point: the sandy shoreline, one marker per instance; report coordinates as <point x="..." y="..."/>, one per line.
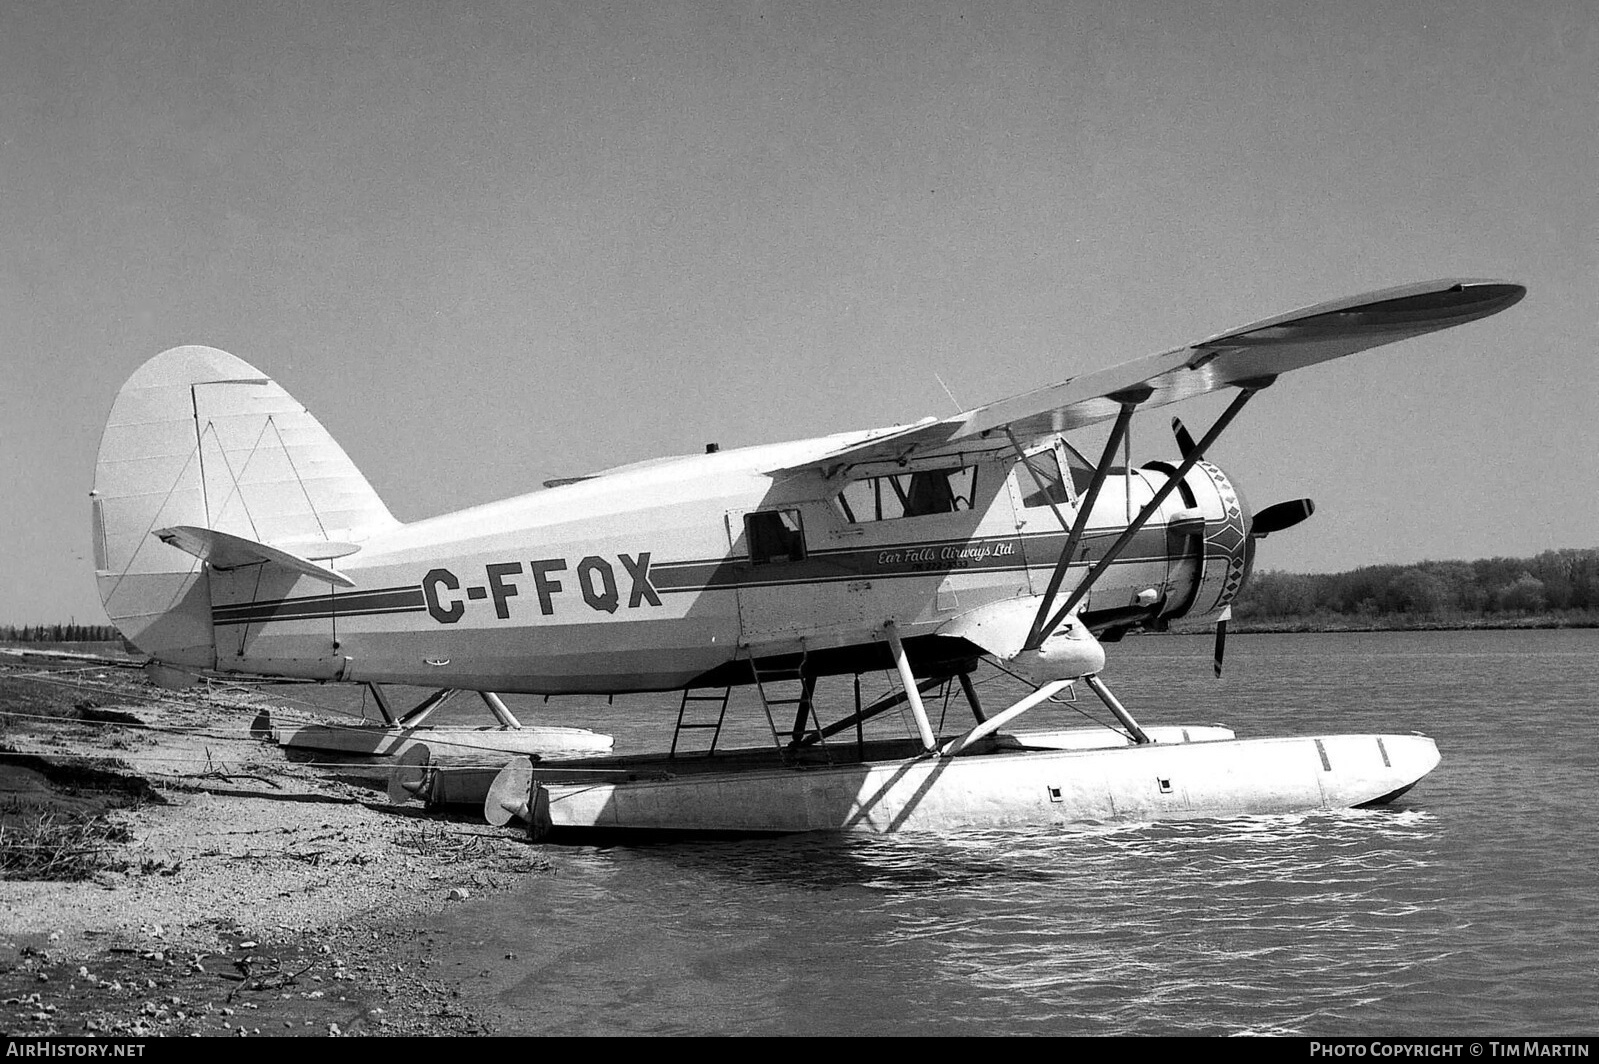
<point x="237" y="892"/>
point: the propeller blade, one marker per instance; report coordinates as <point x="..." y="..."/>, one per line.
<point x="1280" y="516"/>
<point x="1221" y="637"/>
<point x="1185" y="442"/>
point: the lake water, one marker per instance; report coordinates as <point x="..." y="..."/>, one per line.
<point x="1470" y="906"/>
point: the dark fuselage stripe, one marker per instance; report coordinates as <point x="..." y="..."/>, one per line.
<point x="938" y="558"/>
<point x="363" y="603"/>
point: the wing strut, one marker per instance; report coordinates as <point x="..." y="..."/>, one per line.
<point x="1249" y="388"/>
<point x="1129" y="401"/>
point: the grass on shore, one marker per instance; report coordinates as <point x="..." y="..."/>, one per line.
<point x="60" y="847"/>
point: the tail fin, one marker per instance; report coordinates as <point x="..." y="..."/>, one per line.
<point x="202" y="439"/>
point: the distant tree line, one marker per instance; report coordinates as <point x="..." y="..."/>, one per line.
<point x="59" y="633"/>
<point x="1555" y="581"/>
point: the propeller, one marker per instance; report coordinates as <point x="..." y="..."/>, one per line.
<point x="1281" y="515"/>
<point x="1221" y="636"/>
<point x="1274" y="518"/>
<point x="1185" y="442"/>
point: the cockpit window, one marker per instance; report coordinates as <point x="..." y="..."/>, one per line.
<point x="927" y="491"/>
<point x="1041" y="481"/>
<point x="1082" y="469"/>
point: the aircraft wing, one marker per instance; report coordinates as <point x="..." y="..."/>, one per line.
<point x="1265" y="348"/>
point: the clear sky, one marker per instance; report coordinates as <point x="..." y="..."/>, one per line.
<point x="491" y="243"/>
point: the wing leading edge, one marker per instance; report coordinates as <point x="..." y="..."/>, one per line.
<point x="1266" y="348"/>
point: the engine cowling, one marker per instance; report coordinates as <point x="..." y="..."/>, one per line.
<point x="1211" y="549"/>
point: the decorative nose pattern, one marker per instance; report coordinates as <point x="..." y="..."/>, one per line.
<point x="1225" y="541"/>
<point x="1224" y="564"/>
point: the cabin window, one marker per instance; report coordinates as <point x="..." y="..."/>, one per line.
<point x="1040" y="481"/>
<point x="858" y="501"/>
<point x="927" y="491"/>
<point x="775" y="536"/>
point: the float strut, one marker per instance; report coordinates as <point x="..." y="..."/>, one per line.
<point x="913" y="694"/>
<point x="383" y="704"/>
<point x="860" y="722"/>
<point x="971" y="696"/>
<point x="498" y="708"/>
<point x="998" y="720"/>
<point x="1096" y="685"/>
<point x="860" y="716"/>
<point x="425" y="707"/>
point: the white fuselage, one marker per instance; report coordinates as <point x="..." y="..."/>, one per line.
<point x="643" y="579"/>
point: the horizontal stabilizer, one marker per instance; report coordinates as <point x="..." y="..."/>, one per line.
<point x="317" y="549"/>
<point x="224" y="551"/>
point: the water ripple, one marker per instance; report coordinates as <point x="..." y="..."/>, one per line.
<point x="1467" y="907"/>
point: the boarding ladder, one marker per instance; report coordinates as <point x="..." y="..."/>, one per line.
<point x="806" y="725"/>
<point x="713" y="726"/>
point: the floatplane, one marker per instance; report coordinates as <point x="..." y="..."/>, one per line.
<point x="233" y="536"/>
